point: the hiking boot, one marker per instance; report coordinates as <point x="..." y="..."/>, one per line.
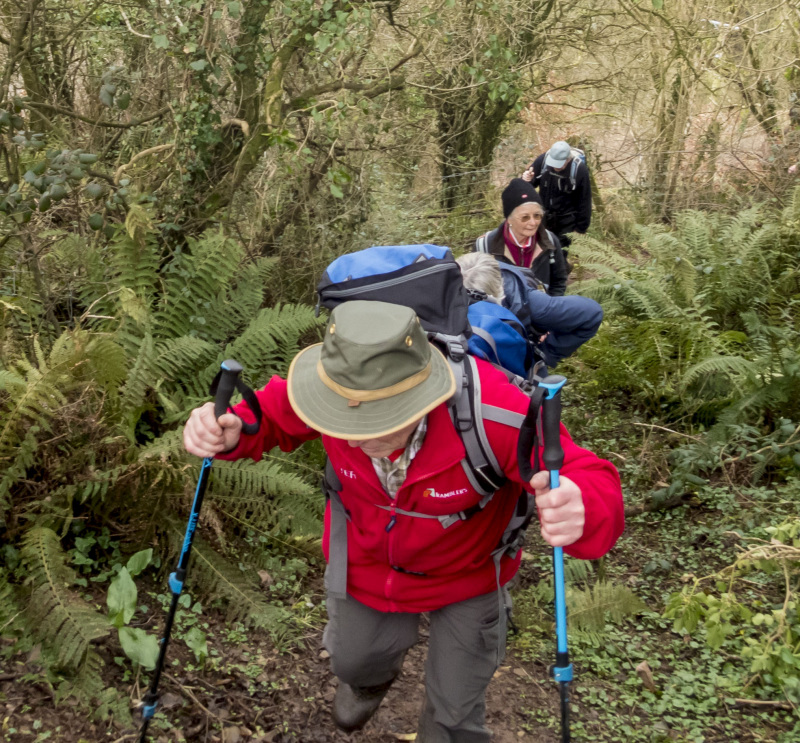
<point x="354" y="705"/>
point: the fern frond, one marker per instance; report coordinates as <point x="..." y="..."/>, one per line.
<point x="34" y="402"/>
<point x="270" y="342"/>
<point x="791" y="212"/>
<point x="140" y="377"/>
<point x="9" y="608"/>
<point x="733" y="367"/>
<point x="267" y="496"/>
<point x="134" y="265"/>
<point x="108" y="363"/>
<point x="58" y="617"/>
<point x="181" y="360"/>
<point x="17" y="470"/>
<point x="194" y="281"/>
<point x="214" y="577"/>
<point x="592" y="251"/>
<point x="164" y="448"/>
<point x="88" y="689"/>
<point x="242" y="300"/>
<point x="589" y="609"/>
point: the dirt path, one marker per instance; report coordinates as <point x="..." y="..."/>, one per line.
<point x="289" y="700"/>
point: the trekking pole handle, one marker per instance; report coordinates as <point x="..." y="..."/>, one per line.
<point x="551" y="426"/>
<point x="227" y="380"/>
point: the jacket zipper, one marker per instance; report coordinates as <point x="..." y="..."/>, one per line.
<point x="389" y="551"/>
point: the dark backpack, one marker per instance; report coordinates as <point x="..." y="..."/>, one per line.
<point x="578" y="157"/>
<point x="427" y="279"/>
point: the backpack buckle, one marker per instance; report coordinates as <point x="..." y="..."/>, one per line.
<point x="456" y="350"/>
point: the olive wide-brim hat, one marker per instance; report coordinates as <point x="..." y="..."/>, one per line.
<point x="374" y="373"/>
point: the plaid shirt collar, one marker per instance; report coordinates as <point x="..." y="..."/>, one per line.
<point x="393" y="474"/>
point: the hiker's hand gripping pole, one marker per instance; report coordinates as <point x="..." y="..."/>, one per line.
<point x="553" y="461"/>
<point x="223" y="386"/>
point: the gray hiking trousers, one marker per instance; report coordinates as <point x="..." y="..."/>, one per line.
<point x="467" y="643"/>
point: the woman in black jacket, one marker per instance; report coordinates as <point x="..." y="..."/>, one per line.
<point x="522" y="240"/>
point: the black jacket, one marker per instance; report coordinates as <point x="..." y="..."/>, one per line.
<point x="566" y="210"/>
<point x="550" y="266"/>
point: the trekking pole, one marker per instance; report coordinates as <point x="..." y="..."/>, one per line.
<point x="222" y="388"/>
<point x="553" y="461"/>
<point x="548" y="395"/>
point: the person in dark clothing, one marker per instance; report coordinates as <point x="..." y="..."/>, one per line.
<point x="562" y="178"/>
<point x="522" y="240"/>
<point x="559" y="325"/>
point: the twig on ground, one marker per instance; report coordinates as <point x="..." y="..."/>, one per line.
<point x="684" y="499"/>
<point x="763" y="703"/>
<point x="668" y="430"/>
<point x="193" y="697"/>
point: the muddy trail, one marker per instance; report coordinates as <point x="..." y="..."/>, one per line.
<point x="252" y="692"/>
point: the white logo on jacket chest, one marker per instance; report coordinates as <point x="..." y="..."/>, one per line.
<point x="348" y="474"/>
<point x="432" y="493"/>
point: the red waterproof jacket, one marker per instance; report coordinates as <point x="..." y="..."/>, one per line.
<point x="417" y="565"/>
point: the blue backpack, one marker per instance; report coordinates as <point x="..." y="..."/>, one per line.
<point x="498" y="336"/>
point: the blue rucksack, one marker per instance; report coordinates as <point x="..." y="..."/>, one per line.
<point x="499" y="337"/>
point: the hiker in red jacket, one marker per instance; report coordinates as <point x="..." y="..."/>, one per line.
<point x="406" y="532"/>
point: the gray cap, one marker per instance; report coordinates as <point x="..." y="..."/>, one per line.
<point x="557" y="155"/>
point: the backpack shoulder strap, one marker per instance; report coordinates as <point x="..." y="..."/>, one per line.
<point x="573" y="172"/>
<point x="336" y="576"/>
<point x="482" y="243"/>
<point x="480" y="464"/>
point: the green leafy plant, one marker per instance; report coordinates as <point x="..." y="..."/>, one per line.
<point x="723" y="605"/>
<point x="122" y="601"/>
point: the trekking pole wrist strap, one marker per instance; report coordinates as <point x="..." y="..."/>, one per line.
<point x="227" y="380"/>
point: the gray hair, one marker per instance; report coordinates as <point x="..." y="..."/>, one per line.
<point x="481" y="273"/>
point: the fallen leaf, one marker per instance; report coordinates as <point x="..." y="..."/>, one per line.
<point x="266" y="578"/>
<point x="646" y="675"/>
<point x="405" y="736"/>
<point x="169" y="700"/>
<point x="231" y="735"/>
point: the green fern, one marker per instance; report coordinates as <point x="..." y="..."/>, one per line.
<point x="214" y="577"/>
<point x="589" y="609"/>
<point x="9" y="607"/>
<point x="57" y="616"/>
<point x="34" y="396"/>
<point x="686" y="326"/>
<point x="271" y="340"/>
<point x="140" y="376"/>
<point x="268" y="497"/>
<point x="193" y="282"/>
<point x="87" y="687"/>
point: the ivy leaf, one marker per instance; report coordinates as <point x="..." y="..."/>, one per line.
<point x="199" y="65"/>
<point x="122" y="596"/>
<point x="234" y="9"/>
<point x="139" y="646"/>
<point x="658" y="4"/>
<point x="336" y="191"/>
<point x="140" y="561"/>
<point x="196" y="640"/>
<point x="161" y="41"/>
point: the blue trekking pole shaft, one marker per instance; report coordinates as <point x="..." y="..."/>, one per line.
<point x="553" y="460"/>
<point x="223" y="386"/>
